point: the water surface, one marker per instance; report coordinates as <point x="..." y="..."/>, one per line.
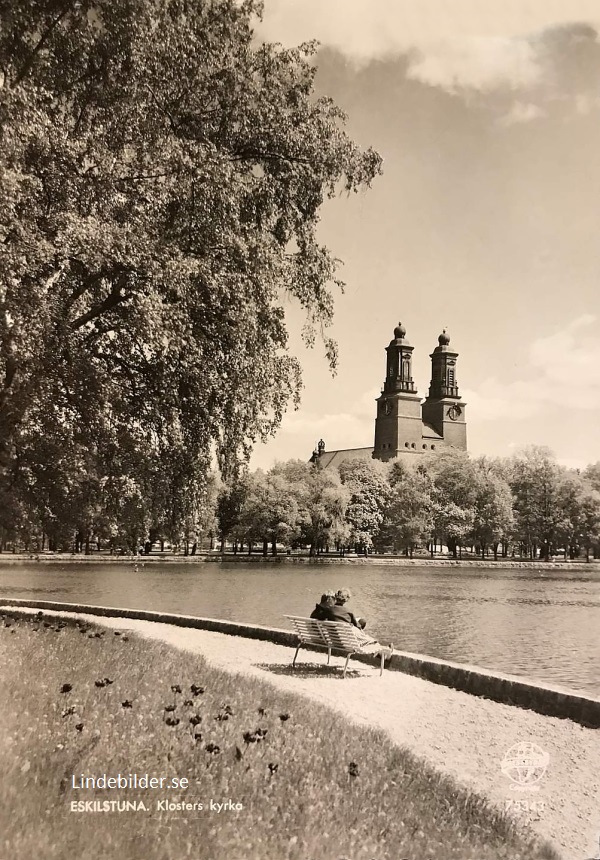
<point x="540" y="625"/>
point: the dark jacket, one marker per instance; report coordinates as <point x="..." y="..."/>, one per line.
<point x="319" y="613"/>
<point x="335" y="612"/>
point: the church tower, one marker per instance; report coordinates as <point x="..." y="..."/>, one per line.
<point x="443" y="409"/>
<point x="398" y="425"/>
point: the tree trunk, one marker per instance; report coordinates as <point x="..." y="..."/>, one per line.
<point x="265" y="546"/>
<point x="495" y="548"/>
<point x="274" y="546"/>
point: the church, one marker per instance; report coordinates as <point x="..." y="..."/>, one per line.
<point x="404" y="426"/>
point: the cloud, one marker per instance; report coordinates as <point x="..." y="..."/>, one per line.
<point x="564" y="371"/>
<point x="521" y="112"/>
<point x="522" y="60"/>
<point x="352" y="428"/>
<point x="300" y="431"/>
<point x="477" y="63"/>
<point x="372" y="29"/>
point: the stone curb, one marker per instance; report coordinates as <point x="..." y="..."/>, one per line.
<point x="281" y="559"/>
<point x="505" y="689"/>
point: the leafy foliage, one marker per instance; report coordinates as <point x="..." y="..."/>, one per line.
<point x="527" y="502"/>
<point x="367" y="481"/>
<point x="161" y="184"/>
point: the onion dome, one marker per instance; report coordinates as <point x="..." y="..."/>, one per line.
<point x="444" y="339"/>
<point x="399" y="332"/>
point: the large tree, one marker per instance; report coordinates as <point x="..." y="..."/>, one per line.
<point x="162" y="175"/>
<point x="539" y="515"/>
<point x="322" y="503"/>
<point x="453" y="496"/>
<point x="366" y="480"/>
<point x="494" y="519"/>
<point x="409" y="509"/>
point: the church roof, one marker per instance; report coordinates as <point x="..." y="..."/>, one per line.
<point x="334" y="458"/>
<point x="429" y="432"/>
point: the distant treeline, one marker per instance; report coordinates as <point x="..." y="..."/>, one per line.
<point x="526" y="505"/>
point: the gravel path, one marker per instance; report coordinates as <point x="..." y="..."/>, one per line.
<point x="463" y="735"/>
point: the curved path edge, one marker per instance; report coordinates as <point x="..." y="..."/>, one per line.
<point x="552" y="701"/>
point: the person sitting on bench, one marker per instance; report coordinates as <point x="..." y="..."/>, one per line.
<point x="340" y="612"/>
<point x="321" y="610"/>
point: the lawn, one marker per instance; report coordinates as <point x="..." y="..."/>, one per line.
<point x="286" y="779"/>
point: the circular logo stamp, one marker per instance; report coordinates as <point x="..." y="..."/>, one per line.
<point x="525" y="764"/>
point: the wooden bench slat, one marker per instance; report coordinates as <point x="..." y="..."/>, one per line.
<point x="330" y="634"/>
<point x="333" y="635"/>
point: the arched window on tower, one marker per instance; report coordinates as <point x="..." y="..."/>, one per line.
<point x="406" y="370"/>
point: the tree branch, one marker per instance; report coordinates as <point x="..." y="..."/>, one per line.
<point x="257" y="155"/>
<point x="114" y="298"/>
<point x="10" y="372"/>
<point x="30" y="60"/>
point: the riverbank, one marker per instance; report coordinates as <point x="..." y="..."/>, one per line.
<point x="281" y="559"/>
<point x="466" y="737"/>
<point x="260" y="773"/>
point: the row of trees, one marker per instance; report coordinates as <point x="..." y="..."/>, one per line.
<point x="527" y="505"/>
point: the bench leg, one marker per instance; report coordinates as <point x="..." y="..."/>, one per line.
<point x="346" y="665"/>
<point x="295" y="655"/>
<point x="328" y="655"/>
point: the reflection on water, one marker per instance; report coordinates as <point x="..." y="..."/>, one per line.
<point x="543" y="626"/>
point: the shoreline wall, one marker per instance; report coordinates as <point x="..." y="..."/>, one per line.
<point x="505" y="689"/>
<point x="216" y="558"/>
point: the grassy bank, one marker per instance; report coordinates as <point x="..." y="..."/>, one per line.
<point x="82" y="700"/>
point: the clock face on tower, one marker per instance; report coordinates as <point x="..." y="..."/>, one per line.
<point x="454" y="412"/>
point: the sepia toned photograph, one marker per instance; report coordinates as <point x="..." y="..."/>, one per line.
<point x="299" y="447"/>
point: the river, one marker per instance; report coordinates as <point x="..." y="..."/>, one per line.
<point x="542" y="625"/>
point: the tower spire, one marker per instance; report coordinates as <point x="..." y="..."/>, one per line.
<point x="443" y="369"/>
<point x="398" y="421"/>
<point x="398" y="375"/>
<point x="443" y="409"/>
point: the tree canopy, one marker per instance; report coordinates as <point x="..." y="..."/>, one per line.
<point x="162" y="175"/>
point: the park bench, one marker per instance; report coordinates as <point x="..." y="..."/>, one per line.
<point x="335" y="636"/>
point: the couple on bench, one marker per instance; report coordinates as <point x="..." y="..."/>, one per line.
<point x="334" y="627"/>
<point x="332" y="607"/>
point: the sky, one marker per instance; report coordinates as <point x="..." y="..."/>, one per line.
<point x="485" y="221"/>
